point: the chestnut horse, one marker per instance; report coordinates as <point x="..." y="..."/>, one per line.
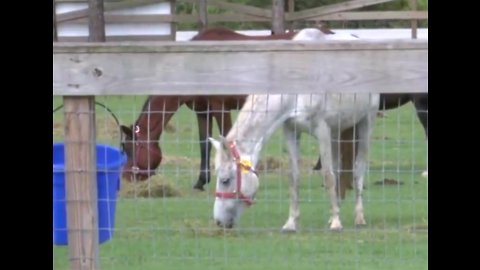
<point x="141" y="139"/>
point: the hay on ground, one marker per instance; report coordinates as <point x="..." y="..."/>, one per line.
<point x="155" y="187"/>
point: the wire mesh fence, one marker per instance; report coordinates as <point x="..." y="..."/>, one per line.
<point x="165" y="223"/>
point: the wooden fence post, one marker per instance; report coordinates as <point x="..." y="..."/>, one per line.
<point x="278" y="16"/>
<point x="80" y="153"/>
<point x="202" y="15"/>
<point x="291" y="9"/>
<point x="55" y="36"/>
<point x="414" y="23"/>
<point x="173" y="24"/>
<point x="81" y="188"/>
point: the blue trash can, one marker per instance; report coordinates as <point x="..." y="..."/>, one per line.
<point x="109" y="164"/>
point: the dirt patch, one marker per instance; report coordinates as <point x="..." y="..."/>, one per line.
<point x="382" y="138"/>
<point x="415" y="228"/>
<point x="388" y="182"/>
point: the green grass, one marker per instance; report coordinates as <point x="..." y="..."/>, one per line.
<point x="178" y="232"/>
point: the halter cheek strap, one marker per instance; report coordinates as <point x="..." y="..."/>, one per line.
<point x="244" y="166"/>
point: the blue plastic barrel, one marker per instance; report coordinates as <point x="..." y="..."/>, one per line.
<point x="109" y="163"/>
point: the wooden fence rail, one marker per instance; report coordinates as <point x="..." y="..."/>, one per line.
<point x="241" y="67"/>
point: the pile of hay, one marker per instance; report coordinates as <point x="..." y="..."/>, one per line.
<point x="269" y="164"/>
<point x="155" y="187"/>
<point x="272" y="164"/>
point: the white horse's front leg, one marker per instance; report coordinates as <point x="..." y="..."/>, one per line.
<point x="292" y="138"/>
<point x="324" y="136"/>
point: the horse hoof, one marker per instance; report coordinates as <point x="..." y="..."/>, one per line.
<point x="360" y="226"/>
<point x="199" y="187"/>
<point x="288" y="231"/>
<point x="338" y="229"/>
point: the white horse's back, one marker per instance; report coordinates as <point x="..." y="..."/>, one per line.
<point x="339" y="110"/>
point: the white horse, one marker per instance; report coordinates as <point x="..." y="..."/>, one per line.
<point x="323" y="116"/>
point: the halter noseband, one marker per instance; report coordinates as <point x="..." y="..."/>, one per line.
<point x="242" y="165"/>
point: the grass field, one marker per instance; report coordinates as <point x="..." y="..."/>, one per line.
<point x="178" y="232"/>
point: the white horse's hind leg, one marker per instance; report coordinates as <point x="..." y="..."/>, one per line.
<point x="425" y="173"/>
<point x="323" y="133"/>
<point x="364" y="129"/>
<point x="292" y="139"/>
<point x="336" y="163"/>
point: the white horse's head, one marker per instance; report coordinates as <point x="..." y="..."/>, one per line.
<point x="237" y="183"/>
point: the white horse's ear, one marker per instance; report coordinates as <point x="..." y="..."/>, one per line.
<point x="220" y="147"/>
<point x="215" y="143"/>
<point x="225" y="144"/>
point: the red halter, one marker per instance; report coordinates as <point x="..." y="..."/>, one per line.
<point x="237" y="193"/>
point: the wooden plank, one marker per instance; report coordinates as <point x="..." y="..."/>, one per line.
<point x="96" y="25"/>
<point x="213" y="47"/>
<point x="81" y="159"/>
<point x="173" y="26"/>
<point x="351" y="16"/>
<point x="329" y="9"/>
<point x="167" y="18"/>
<point x="80" y="164"/>
<point x="278" y="16"/>
<point x="84" y="1"/>
<point x="202" y="21"/>
<point x="120" y="38"/>
<point x="203" y="67"/>
<point x="83" y="13"/>
<point x="255" y="11"/>
<point x="291" y="9"/>
<point x="414" y="23"/>
<point x="373" y="15"/>
<point x="55" y="36"/>
<point x="212" y="18"/>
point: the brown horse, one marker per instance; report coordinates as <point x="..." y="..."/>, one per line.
<point x="141" y="139"/>
<point x="387" y="102"/>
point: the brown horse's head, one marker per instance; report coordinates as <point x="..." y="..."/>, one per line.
<point x="144" y="155"/>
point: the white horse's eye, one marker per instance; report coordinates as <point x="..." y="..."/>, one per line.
<point x="225" y="180"/>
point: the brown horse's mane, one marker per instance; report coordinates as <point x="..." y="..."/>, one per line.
<point x="144" y="109"/>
